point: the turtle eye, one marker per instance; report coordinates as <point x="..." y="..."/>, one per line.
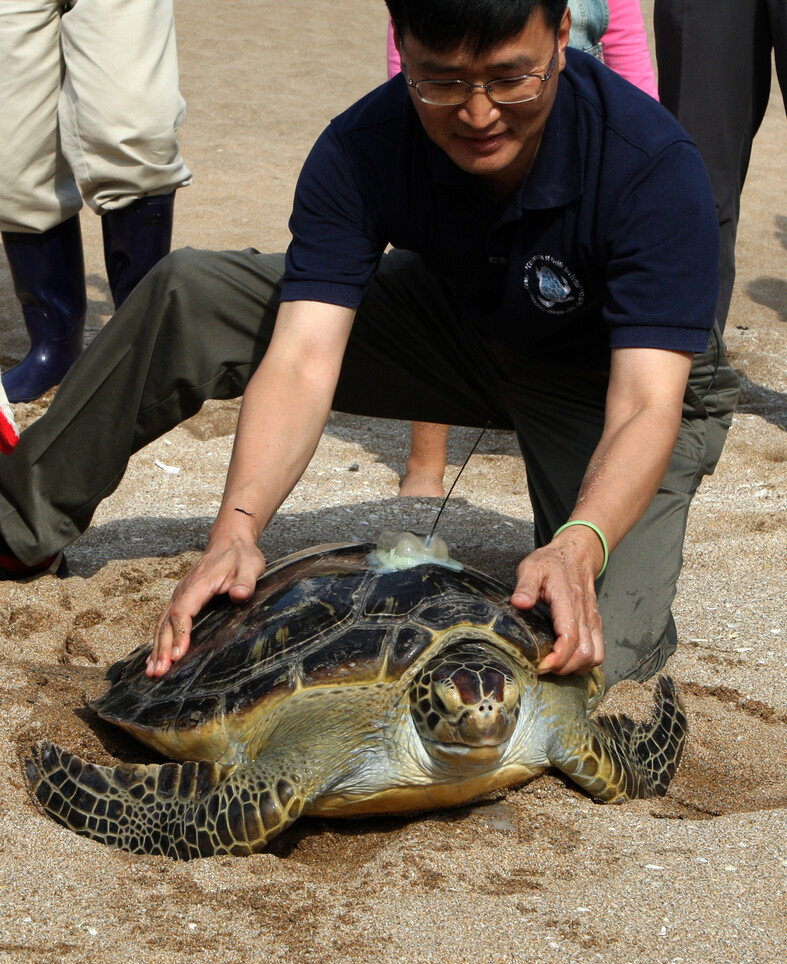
<point x="449" y="700"/>
<point x="438" y="704"/>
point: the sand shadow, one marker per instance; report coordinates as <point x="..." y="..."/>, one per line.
<point x="781" y="229"/>
<point x="770" y="293"/>
<point x="498" y="545"/>
<point x="100" y="305"/>
<point x="766" y="402"/>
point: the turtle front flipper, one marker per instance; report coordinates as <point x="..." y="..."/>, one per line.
<point x="179" y="810"/>
<point x="619" y="759"/>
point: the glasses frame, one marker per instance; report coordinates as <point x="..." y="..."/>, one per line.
<point x="488" y="87"/>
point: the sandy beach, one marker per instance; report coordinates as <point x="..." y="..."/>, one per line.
<point x="541" y="873"/>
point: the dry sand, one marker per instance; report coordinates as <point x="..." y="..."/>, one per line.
<point x="538" y="874"/>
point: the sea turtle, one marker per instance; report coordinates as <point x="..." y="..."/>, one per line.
<point x="358" y="679"/>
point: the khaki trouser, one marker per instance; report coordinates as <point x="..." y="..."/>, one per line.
<point x="196" y="328"/>
<point x="90" y="107"/>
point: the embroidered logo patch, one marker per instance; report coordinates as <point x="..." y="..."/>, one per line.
<point x="551" y="286"/>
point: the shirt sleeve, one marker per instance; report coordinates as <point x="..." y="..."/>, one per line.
<point x="663" y="267"/>
<point x="335" y="248"/>
<point x="626" y="48"/>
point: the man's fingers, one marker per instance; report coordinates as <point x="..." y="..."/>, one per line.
<point x="234" y="572"/>
<point x="172" y="639"/>
<point x="564" y="660"/>
<point x="173" y="633"/>
<point x="243" y="585"/>
<point x="579" y="645"/>
<point x="529" y="585"/>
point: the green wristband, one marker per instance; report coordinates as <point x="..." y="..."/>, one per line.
<point x="599" y="533"/>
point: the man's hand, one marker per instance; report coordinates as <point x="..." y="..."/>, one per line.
<point x="234" y="570"/>
<point x="562" y="575"/>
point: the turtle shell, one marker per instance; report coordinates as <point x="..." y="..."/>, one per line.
<point x="325" y="617"/>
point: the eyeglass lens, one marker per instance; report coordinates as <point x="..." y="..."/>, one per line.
<point x="505" y="91"/>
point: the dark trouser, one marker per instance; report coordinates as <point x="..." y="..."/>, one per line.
<point x="197" y="327"/>
<point x="714" y="60"/>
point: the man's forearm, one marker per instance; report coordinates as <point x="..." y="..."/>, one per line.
<point x="626" y="471"/>
<point x="278" y="431"/>
<point x="633" y="454"/>
<point x="283" y="413"/>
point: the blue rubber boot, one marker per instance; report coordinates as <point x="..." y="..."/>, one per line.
<point x="48" y="271"/>
<point x="136" y="237"/>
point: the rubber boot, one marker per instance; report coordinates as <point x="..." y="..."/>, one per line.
<point x="48" y="271"/>
<point x="136" y="237"/>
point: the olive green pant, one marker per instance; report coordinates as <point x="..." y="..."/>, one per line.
<point x="197" y="327"/>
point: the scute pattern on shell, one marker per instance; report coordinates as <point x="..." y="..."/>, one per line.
<point x="295" y="632"/>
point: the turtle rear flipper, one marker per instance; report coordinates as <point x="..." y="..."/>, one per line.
<point x="620" y="759"/>
<point x="179" y="810"/>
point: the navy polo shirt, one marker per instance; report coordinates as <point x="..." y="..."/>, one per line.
<point x="611" y="241"/>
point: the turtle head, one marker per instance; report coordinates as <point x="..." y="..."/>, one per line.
<point x="465" y="703"/>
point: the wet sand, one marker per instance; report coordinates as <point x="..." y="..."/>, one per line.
<point x="540" y="873"/>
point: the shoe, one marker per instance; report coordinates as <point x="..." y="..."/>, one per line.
<point x="9" y="433"/>
<point x="48" y="272"/>
<point x="13" y="568"/>
<point x="136" y="238"/>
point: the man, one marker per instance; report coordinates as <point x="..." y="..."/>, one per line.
<point x="555" y="272"/>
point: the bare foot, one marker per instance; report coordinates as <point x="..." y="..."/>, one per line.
<point x="422" y="482"/>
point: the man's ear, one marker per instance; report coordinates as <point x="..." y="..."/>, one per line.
<point x="562" y="37"/>
<point x="397" y="38"/>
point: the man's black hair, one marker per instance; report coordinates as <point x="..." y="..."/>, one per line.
<point x="477" y="24"/>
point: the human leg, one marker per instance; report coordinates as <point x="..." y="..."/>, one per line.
<point x="121" y="108"/>
<point x="777" y="21"/>
<point x="195" y="329"/>
<point x="122" y="142"/>
<point x="636" y="592"/>
<point x="714" y="65"/>
<point x="136" y="237"/>
<point x="426" y="461"/>
<point x="37" y="189"/>
<point x="39" y="199"/>
<point x="589" y="22"/>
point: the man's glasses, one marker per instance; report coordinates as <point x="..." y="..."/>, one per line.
<point x="506" y="90"/>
